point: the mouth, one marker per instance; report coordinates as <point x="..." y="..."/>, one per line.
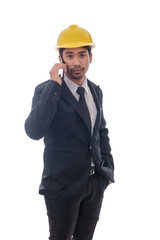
<point x="77" y="70"/>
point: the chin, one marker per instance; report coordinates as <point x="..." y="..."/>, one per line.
<point x="77" y="76"/>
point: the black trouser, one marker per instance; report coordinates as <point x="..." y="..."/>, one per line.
<point x="77" y="218"/>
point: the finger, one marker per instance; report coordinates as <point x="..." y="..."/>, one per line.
<point x="58" y="66"/>
<point x="64" y="66"/>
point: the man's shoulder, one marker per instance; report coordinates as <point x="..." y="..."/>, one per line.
<point x="42" y="84"/>
<point x="92" y="84"/>
<point x="95" y="86"/>
<point x="45" y="85"/>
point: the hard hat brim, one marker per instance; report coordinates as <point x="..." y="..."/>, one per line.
<point x="75" y="45"/>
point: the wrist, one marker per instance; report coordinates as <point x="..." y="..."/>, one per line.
<point x="59" y="81"/>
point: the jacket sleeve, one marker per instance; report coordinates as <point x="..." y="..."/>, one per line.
<point x="44" y="107"/>
<point x="108" y="163"/>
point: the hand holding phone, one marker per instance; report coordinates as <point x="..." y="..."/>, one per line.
<point x="54" y="72"/>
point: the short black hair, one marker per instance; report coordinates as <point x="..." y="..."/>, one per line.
<point x="87" y="47"/>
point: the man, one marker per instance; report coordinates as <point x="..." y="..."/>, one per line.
<point x="78" y="165"/>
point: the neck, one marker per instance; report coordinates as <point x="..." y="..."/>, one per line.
<point x="78" y="81"/>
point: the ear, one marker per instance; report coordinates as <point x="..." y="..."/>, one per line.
<point x="90" y="58"/>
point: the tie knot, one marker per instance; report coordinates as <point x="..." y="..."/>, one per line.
<point x="80" y="91"/>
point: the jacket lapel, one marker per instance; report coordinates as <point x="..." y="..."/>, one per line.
<point x="98" y="105"/>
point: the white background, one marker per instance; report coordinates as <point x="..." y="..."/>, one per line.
<point x="126" y="65"/>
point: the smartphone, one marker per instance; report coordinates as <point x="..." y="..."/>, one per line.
<point x="61" y="72"/>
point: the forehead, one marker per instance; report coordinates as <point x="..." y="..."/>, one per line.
<point x="75" y="50"/>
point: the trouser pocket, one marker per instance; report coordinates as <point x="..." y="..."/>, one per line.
<point x="104" y="182"/>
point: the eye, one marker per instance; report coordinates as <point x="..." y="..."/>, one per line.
<point x="70" y="56"/>
<point x="82" y="55"/>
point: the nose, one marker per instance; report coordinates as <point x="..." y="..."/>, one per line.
<point x="76" y="61"/>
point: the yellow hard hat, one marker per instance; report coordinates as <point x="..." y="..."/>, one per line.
<point x="73" y="37"/>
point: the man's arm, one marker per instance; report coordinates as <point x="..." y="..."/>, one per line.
<point x="44" y="104"/>
<point x="44" y="107"/>
<point x="107" y="158"/>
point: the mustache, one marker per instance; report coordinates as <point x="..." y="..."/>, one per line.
<point x="77" y="68"/>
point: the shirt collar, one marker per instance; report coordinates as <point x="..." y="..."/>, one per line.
<point x="73" y="86"/>
<point x="85" y="86"/>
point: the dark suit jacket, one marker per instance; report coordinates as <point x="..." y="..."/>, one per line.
<point x="56" y="115"/>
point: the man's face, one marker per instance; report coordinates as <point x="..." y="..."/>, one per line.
<point x="77" y="60"/>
